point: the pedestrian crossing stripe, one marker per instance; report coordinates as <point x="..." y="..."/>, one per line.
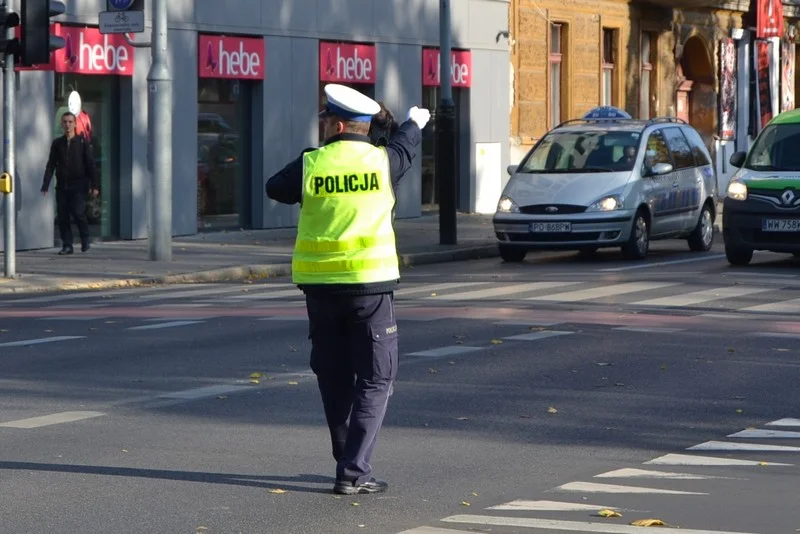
<point x="550" y="506"/>
<point x="708" y="461"/>
<point x="754" y="433"/>
<point x="591" y="487"/>
<point x="785" y="422"/>
<point x="572" y="526"/>
<point x="643" y="473"/>
<point x="723" y="446"/>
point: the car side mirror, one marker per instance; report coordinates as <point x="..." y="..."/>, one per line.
<point x="511" y="169"/>
<point x="660" y="168"/>
<point x="737" y="159"/>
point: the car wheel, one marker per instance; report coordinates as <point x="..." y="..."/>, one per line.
<point x="639" y="242"/>
<point x="512" y="254"/>
<point x="738" y="255"/>
<point x="702" y="237"/>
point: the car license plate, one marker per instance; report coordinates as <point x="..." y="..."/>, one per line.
<point x="551" y="227"/>
<point x="780" y="225"/>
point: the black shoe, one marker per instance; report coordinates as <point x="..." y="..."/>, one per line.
<point x="85" y="247"/>
<point x="346" y="487"/>
<point x="65" y="251"/>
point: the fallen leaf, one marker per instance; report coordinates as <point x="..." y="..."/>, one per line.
<point x="619" y="384"/>
<point x="49" y="331"/>
<point x="663" y="368"/>
<point x="198" y="530"/>
<point x="609" y="513"/>
<point x="292" y="383"/>
<point x="739" y="410"/>
<point x="255" y="381"/>
<point x="602" y="364"/>
<point x="222" y="397"/>
<point x="432" y="371"/>
<point x="497" y="342"/>
<point x="782" y="350"/>
<point x="277" y="491"/>
<point x="355" y="504"/>
<point x="552" y="410"/>
<point x="762" y="463"/>
<point x="433" y="294"/>
<point x="731" y="350"/>
<point x="255" y="375"/>
<point x="474" y="494"/>
<point x="648" y="523"/>
<point x="465" y="503"/>
<point x="452" y="363"/>
<point x="459" y="342"/>
<point x="124" y="450"/>
<point x="462" y="418"/>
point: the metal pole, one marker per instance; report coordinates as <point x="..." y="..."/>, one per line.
<point x="159" y="82"/>
<point x="9" y="220"/>
<point x="445" y="135"/>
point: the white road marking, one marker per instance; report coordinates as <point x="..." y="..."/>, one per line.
<point x="445" y="351"/>
<point x="435" y="530"/>
<point x="708" y="461"/>
<point x="201" y="393"/>
<point x="189" y="319"/>
<point x="591" y="487"/>
<point x="785" y="422"/>
<point x="700" y="297"/>
<point x="535" y="336"/>
<point x="500" y="290"/>
<point x="39" y="341"/>
<point x="302" y="318"/>
<point x="75" y="306"/>
<point x="189" y="293"/>
<point x="572" y="526"/>
<point x="52" y="419"/>
<point x="755" y="433"/>
<point x="784" y="306"/>
<point x="527" y="323"/>
<point x="723" y="446"/>
<point x="642" y="473"/>
<point x="91" y="294"/>
<point x="662" y="263"/>
<point x="752" y="274"/>
<point x="650" y="329"/>
<point x="267" y="295"/>
<point x="435" y="288"/>
<point x="159" y="326"/>
<point x="179" y="305"/>
<point x="604" y="291"/>
<point x="549" y="506"/>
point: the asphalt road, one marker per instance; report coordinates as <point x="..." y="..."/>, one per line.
<point x="530" y="397"/>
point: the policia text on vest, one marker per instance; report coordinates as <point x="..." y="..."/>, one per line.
<point x="345" y="261"/>
<point x="334" y="185"/>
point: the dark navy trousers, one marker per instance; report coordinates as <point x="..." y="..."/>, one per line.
<point x="354" y="355"/>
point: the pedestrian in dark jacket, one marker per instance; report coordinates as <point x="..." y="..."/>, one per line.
<point x="72" y="161"/>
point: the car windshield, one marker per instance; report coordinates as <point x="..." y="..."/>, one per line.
<point x="583" y="151"/>
<point x="776" y="149"/>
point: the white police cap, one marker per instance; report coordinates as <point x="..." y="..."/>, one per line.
<point x="349" y="104"/>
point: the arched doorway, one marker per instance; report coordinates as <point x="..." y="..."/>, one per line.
<point x="696" y="99"/>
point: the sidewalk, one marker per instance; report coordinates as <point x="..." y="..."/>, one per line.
<point x="232" y="255"/>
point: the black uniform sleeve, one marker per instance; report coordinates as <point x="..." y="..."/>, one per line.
<point x="286" y="186"/>
<point x="402" y="149"/>
<point x="50" y="168"/>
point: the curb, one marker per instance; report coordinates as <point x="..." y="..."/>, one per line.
<point x="244" y="272"/>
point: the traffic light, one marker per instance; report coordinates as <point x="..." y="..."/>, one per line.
<point x="7" y="20"/>
<point x="37" y="42"/>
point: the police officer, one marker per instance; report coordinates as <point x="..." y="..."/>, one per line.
<point x="345" y="261"/>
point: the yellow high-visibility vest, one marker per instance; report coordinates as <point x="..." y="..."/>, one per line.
<point x="345" y="233"/>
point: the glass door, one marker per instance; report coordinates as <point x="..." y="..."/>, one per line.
<point x="98" y="122"/>
<point x="224" y="125"/>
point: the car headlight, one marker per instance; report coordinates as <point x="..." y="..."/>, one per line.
<point x="506" y="205"/>
<point x="737" y="191"/>
<point x="611" y="203"/>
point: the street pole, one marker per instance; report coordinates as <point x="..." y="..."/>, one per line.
<point x="159" y="82"/>
<point x="445" y="135"/>
<point x="9" y="220"/>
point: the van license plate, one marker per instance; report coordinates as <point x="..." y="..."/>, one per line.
<point x="780" y="225"/>
<point x="551" y="227"/>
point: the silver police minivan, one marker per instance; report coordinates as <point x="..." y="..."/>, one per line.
<point x="607" y="180"/>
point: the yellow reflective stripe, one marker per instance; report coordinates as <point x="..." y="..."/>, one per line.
<point x="342" y="266"/>
<point x="345" y="245"/>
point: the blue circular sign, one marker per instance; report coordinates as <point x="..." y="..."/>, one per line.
<point x="121" y="4"/>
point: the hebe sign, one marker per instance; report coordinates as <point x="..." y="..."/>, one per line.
<point x="87" y="51"/>
<point x="233" y="58"/>
<point x="460" y="68"/>
<point x="346" y="63"/>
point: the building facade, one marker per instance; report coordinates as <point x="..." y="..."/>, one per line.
<point x="247" y="82"/>
<point x="698" y="60"/>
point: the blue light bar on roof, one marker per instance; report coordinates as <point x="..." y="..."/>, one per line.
<point x="606" y="113"/>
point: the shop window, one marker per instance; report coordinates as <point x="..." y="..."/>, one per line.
<point x="98" y="123"/>
<point x="647" y="87"/>
<point x="609" y="97"/>
<point x="223" y="170"/>
<point x="557" y="73"/>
